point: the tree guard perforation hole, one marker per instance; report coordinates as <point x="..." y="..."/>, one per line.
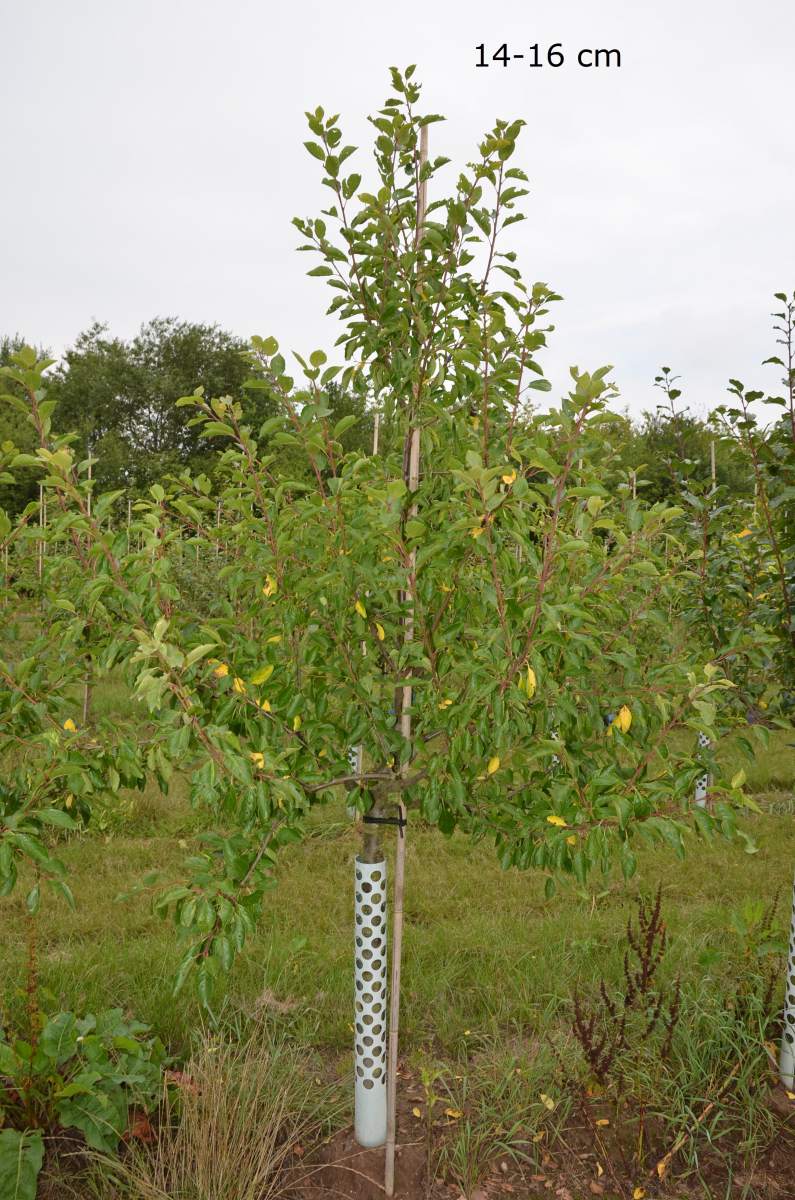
<point x="366" y="955"/>
<point x="367" y="1083"/>
<point x="367" y="887"/>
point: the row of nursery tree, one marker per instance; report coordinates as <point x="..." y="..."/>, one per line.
<point x="118" y="397"/>
<point x="464" y="603"/>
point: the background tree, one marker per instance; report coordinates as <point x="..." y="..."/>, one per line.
<point x="20" y="489"/>
<point x="119" y="397"/>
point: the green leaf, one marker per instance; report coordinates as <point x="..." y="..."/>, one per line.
<point x="21" y="1156"/>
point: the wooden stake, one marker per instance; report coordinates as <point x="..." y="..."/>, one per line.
<point x="412" y="479"/>
<point x="712" y="465"/>
<point x="42" y="521"/>
<point x="376" y="423"/>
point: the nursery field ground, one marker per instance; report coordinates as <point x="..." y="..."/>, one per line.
<point x="490" y="965"/>
<point x="485" y="952"/>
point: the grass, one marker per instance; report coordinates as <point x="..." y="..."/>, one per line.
<point x="485" y="952"/>
<point x="490" y="965"/>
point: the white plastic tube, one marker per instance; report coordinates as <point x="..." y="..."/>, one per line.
<point x="786" y="1060"/>
<point x="702" y="783"/>
<point x="370" y="1001"/>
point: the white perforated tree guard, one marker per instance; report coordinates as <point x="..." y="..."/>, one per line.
<point x="702" y="783"/>
<point x="786" y="1061"/>
<point x="370" y="1001"/>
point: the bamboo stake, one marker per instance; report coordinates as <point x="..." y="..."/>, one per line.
<point x="42" y="523"/>
<point x="712" y="465"/>
<point x="412" y="482"/>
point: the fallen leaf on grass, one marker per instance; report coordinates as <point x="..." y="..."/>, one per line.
<point x="140" y="1129"/>
<point x="416" y="1112"/>
<point x="453" y="1113"/>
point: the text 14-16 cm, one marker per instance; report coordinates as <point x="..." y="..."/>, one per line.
<point x="547" y="56"/>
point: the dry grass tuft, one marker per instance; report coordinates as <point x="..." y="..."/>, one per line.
<point x="244" y="1113"/>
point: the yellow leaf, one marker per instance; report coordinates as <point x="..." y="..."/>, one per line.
<point x="530" y="683"/>
<point x="272" y="641"/>
<point x="599" y="1170"/>
<point x="638" y="1193"/>
<point x="416" y="1112"/>
<point x="623" y="720"/>
<point x="265" y="705"/>
<point x="361" y="610"/>
<point x="446" y="587"/>
<point x="387" y="558"/>
<point x="602" y="1122"/>
<point x="509" y="478"/>
<point x="270" y="587"/>
<point x="379" y="631"/>
<point x="69" y="725"/>
<point x="571" y="841"/>
<point x="69" y="800"/>
<point x="547" y="1101"/>
<point x="745" y="533"/>
<point x="554" y="819"/>
<point x="494" y="765"/>
<point x="791" y="1095"/>
<point x="476" y="532"/>
<point x="453" y="1113"/>
<point x="662" y="1167"/>
<point x="221" y="670"/>
<point x="445" y="703"/>
<point x="538" y="1137"/>
<point x="258" y="758"/>
<point x="296" y="723"/>
<point x="262" y="675"/>
<point x="239" y="686"/>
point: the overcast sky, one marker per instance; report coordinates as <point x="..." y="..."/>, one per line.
<point x="153" y="161"/>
